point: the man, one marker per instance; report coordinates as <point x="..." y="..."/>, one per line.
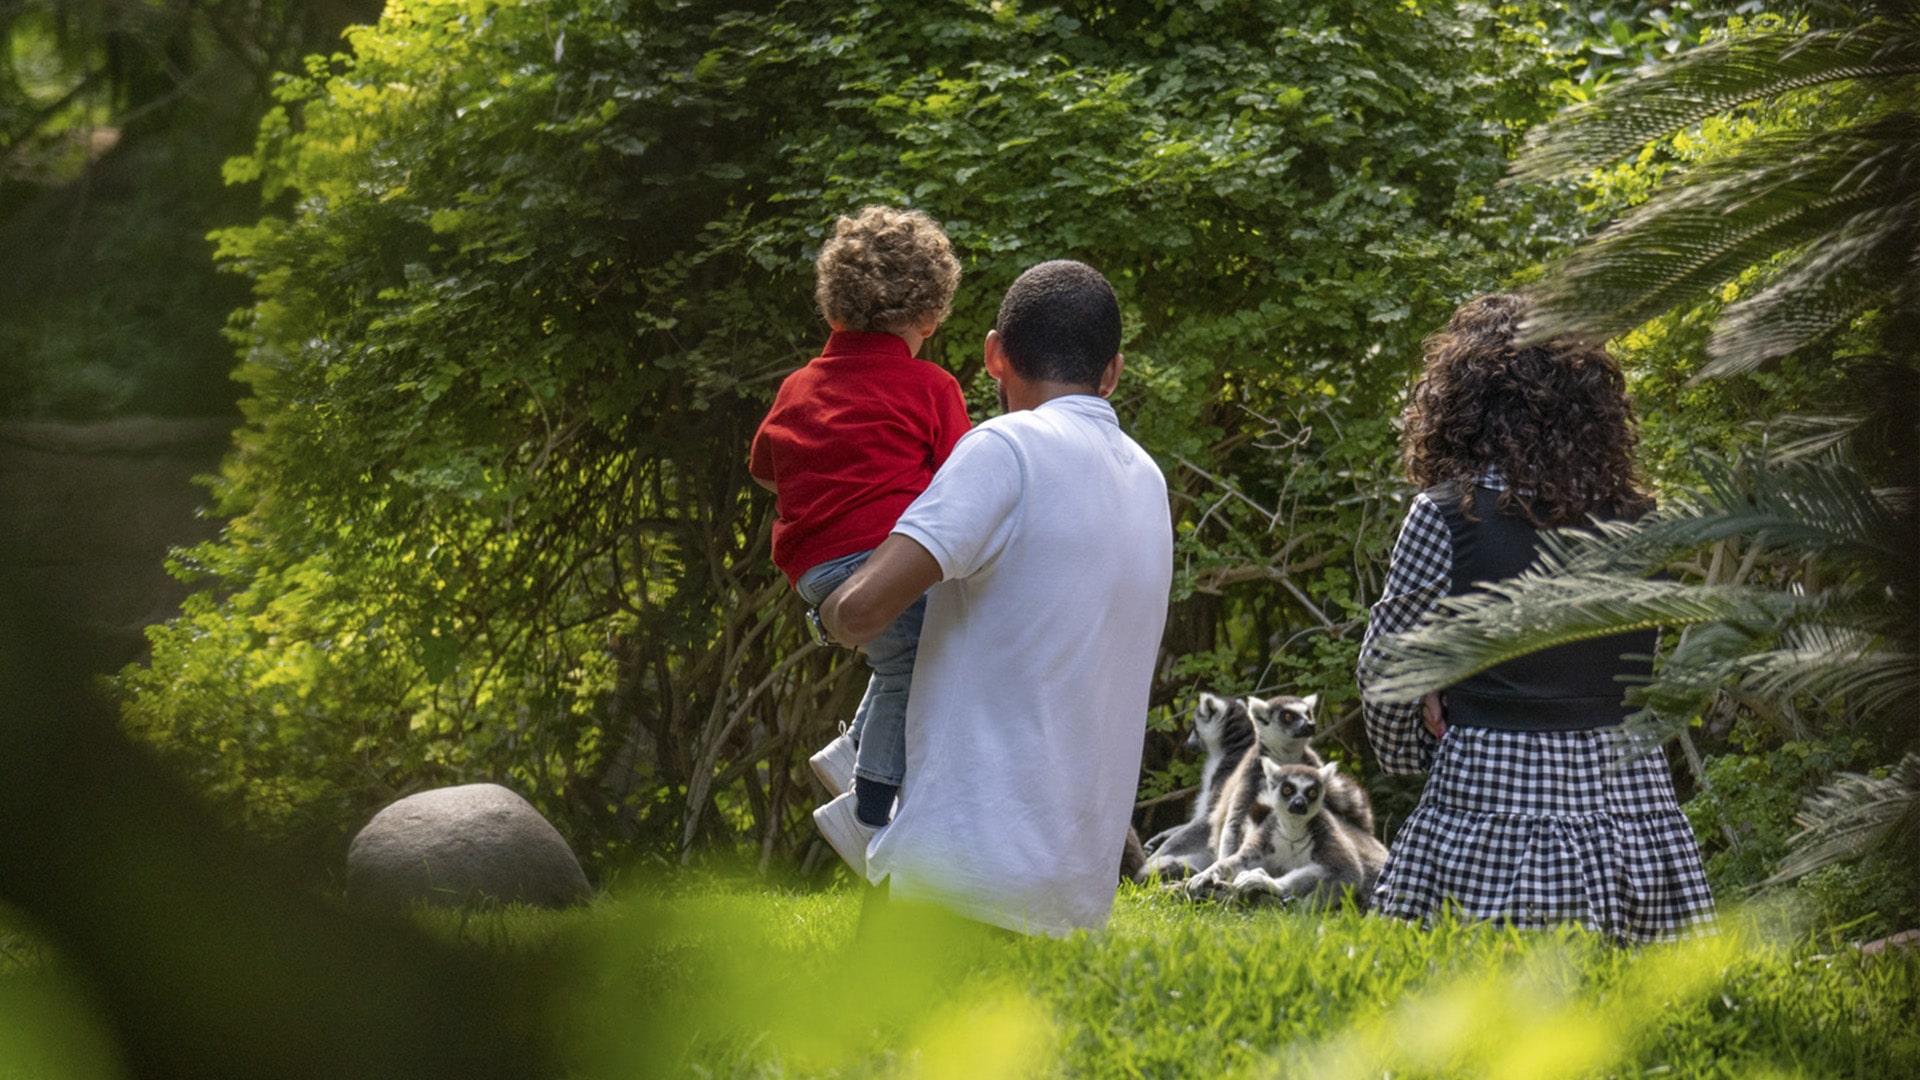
<point x="1046" y="551"/>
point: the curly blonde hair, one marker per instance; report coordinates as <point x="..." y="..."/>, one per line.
<point x="1553" y="418"/>
<point x="885" y="270"/>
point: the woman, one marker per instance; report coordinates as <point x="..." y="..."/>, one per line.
<point x="1538" y="809"/>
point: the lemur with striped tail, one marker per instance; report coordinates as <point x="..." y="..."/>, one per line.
<point x="1223" y="732"/>
<point x="1294" y="848"/>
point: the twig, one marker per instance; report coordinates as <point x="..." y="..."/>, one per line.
<point x="1171" y="796"/>
<point x="1699" y="767"/>
<point x="1273" y="519"/>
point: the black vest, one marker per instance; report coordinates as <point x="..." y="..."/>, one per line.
<point x="1564" y="688"/>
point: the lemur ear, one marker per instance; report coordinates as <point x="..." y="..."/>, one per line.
<point x="1270" y="767"/>
<point x="1327" y="771"/>
<point x="1256" y="708"/>
<point x="1209" y="702"/>
<point x="1311" y="701"/>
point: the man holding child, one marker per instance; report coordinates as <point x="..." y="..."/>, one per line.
<point x="1043" y="547"/>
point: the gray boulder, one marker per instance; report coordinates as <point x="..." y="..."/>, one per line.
<point x="456" y="845"/>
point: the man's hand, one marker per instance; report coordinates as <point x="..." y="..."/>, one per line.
<point x="895" y="575"/>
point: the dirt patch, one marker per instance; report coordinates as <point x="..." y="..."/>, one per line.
<point x="89" y="512"/>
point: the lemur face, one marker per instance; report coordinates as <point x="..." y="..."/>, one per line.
<point x="1299" y="797"/>
<point x="1297" y="789"/>
<point x="1283" y="718"/>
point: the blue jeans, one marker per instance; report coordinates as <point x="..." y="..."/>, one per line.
<point x="879" y="728"/>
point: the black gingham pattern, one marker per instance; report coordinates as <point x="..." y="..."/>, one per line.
<point x="1536" y="828"/>
<point x="1419" y="575"/>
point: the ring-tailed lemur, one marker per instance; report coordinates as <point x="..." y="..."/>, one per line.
<point x="1294" y="849"/>
<point x="1222" y="731"/>
<point x="1281" y="727"/>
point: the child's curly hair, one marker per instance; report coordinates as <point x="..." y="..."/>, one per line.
<point x="1553" y="418"/>
<point x="884" y="270"/>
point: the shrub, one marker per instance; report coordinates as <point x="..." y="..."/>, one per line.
<point x="531" y="275"/>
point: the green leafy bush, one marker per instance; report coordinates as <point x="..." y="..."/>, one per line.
<point x="1743" y="812"/>
<point x="532" y="275"/>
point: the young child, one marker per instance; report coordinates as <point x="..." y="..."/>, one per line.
<point x="851" y="439"/>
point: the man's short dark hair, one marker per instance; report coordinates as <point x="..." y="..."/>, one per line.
<point x="1060" y="322"/>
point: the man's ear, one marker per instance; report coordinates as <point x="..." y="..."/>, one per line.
<point x="996" y="356"/>
<point x="1110" y="377"/>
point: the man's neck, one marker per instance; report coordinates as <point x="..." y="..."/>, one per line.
<point x="1032" y="395"/>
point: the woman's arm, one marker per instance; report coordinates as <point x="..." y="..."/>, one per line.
<point x="1419" y="575"/>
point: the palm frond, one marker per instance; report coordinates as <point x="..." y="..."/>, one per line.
<point x="1549" y="606"/>
<point x="1804" y="506"/>
<point x="1839" y="275"/>
<point x="1777" y="193"/>
<point x="1867" y="671"/>
<point x="1772" y="643"/>
<point x="1814" y="506"/>
<point x="1713" y="79"/>
<point x="1691" y="678"/>
<point x="1821" y="666"/>
<point x="1822" y="292"/>
<point x="1853" y="815"/>
<point x="1804" y="436"/>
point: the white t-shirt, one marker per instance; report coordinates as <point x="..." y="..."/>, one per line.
<point x="1029" y="701"/>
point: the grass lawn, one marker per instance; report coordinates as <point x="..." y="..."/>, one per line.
<point x="741" y="982"/>
<point x="712" y="978"/>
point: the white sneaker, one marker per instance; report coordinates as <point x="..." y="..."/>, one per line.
<point x="841" y="825"/>
<point x="834" y="765"/>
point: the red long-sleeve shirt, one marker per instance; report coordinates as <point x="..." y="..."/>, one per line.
<point x="852" y="439"/>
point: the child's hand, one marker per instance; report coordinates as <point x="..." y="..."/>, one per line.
<point x="1433" y="714"/>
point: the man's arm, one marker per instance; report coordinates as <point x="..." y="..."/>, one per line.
<point x="894" y="576"/>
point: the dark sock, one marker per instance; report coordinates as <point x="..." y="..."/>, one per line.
<point x="873" y="801"/>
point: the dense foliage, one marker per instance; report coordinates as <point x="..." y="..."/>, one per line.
<point x="114" y="118"/>
<point x="536" y="271"/>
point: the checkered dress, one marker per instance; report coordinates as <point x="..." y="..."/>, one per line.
<point x="1530" y="828"/>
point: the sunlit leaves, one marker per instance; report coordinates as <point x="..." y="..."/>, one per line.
<point x="531" y="276"/>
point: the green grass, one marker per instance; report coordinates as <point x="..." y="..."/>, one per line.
<point x="742" y="982"/>
<point x="711" y="978"/>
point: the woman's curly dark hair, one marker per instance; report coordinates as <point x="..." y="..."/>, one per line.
<point x="1552" y="418"/>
